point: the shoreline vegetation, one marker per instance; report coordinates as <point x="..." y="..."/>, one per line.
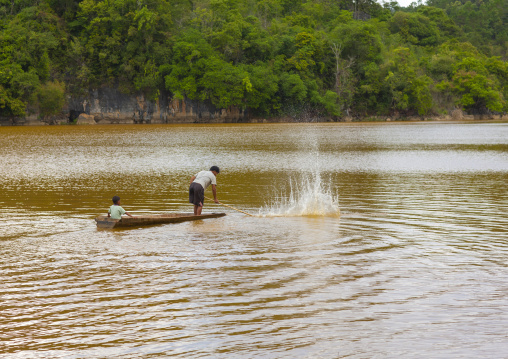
<point x="232" y="61"/>
<point x="378" y="120"/>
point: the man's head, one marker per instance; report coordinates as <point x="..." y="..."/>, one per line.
<point x="116" y="199"/>
<point x="215" y="169"/>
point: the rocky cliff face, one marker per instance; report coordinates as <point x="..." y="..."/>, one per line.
<point x="111" y="106"/>
<point x="107" y="105"/>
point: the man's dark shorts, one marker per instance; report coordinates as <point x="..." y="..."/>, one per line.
<point x="196" y="194"/>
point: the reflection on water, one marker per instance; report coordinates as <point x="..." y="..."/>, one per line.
<point x="415" y="266"/>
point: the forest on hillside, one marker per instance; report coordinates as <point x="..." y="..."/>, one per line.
<point x="330" y="58"/>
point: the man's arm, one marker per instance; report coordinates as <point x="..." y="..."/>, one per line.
<point x="192" y="179"/>
<point x="214" y="191"/>
<point x="127" y="213"/>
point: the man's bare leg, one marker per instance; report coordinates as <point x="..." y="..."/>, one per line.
<point x="197" y="210"/>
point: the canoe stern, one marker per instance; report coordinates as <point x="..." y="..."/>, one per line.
<point x="105" y="222"/>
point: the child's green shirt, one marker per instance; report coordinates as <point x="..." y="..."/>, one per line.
<point x="116" y="211"/>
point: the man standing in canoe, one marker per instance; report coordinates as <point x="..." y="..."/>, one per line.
<point x="198" y="185"/>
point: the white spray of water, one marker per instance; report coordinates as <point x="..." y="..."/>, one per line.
<point x="307" y="197"/>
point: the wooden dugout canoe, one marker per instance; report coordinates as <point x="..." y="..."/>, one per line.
<point x="105" y="222"/>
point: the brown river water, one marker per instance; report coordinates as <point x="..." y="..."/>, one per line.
<point x="367" y="241"/>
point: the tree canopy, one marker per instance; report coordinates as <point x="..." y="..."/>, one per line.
<point x="273" y="57"/>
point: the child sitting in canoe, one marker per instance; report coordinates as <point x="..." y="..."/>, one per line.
<point x="116" y="211"/>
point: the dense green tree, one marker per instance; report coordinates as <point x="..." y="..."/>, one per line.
<point x="409" y="88"/>
<point x="51" y="98"/>
<point x="262" y="98"/>
<point x="123" y="40"/>
<point x="33" y="43"/>
<point x="272" y="57"/>
<point x="360" y="41"/>
<point x="415" y="28"/>
<point x="447" y="28"/>
<point x="479" y="82"/>
<point x="478" y="90"/>
<point x="483" y="22"/>
<point x="224" y="85"/>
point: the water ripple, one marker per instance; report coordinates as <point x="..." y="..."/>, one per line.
<point x="414" y="266"/>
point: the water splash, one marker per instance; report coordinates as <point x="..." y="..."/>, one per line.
<point x="307" y="197"/>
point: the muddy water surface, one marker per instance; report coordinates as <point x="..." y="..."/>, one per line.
<point x="367" y="241"/>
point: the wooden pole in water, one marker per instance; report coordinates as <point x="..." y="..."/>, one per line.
<point x="236" y="209"/>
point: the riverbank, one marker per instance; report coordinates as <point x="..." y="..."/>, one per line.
<point x="84" y="119"/>
<point x="111" y="106"/>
